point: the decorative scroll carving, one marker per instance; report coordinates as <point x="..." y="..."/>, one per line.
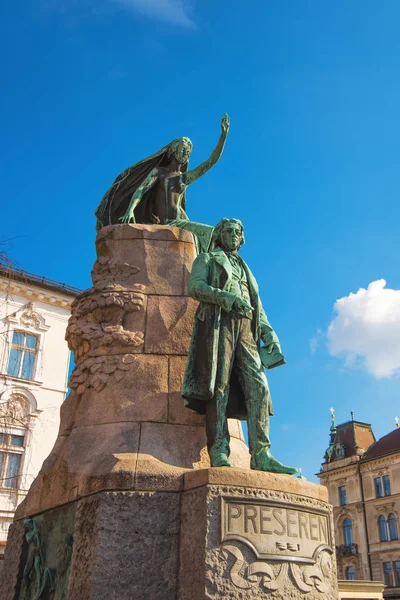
<point x="15" y="410"/>
<point x="108" y="271"/>
<point x="271" y="577"/>
<point x="28" y="317"/>
<point x="100" y="314"/>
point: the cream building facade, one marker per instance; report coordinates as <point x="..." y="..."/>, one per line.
<point x="363" y="480"/>
<point x="34" y="363"/>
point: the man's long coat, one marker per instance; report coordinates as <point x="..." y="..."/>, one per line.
<point x="210" y="282"/>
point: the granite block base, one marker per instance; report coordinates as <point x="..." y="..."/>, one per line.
<point x="225" y="534"/>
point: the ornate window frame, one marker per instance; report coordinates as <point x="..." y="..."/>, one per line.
<point x="18" y="414"/>
<point x="29" y="321"/>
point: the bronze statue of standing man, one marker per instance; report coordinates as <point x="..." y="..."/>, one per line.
<point x="224" y="375"/>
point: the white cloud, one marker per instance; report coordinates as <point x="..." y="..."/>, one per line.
<point x="171" y="11"/>
<point x="366" y="329"/>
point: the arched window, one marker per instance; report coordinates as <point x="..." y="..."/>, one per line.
<point x="383" y="529"/>
<point x="347" y="532"/>
<point x="350" y="574"/>
<point x="392" y="522"/>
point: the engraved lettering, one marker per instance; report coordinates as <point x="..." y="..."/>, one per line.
<point x="303" y="525"/>
<point x="273" y="528"/>
<point x="264" y="517"/>
<point x="277" y="512"/>
<point x="231" y="515"/>
<point x="291" y="522"/>
<point x="323" y="529"/>
<point x="313" y="525"/>
<point x="250" y="517"/>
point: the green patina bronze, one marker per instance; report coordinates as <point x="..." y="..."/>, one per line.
<point x="154" y="189"/>
<point x="224" y="375"/>
<point x="48" y="551"/>
<point x="38" y="578"/>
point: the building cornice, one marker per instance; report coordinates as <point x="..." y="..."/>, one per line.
<point x="333" y="473"/>
<point x="380" y="461"/>
<point x="38" y="294"/>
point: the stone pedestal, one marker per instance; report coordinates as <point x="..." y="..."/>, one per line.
<point x="247" y="535"/>
<point x="126" y="505"/>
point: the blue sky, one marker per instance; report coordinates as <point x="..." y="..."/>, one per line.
<point x="310" y="167"/>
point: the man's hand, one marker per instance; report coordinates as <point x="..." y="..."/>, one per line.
<point x="271" y="347"/>
<point x="242" y="307"/>
<point x="128" y="217"/>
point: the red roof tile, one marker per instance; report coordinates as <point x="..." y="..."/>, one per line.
<point x="386" y="445"/>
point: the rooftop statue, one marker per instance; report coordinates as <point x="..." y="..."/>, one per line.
<point x="154" y="189"/>
<point x="225" y="369"/>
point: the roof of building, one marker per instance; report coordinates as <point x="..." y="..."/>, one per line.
<point x="385" y="445"/>
<point x="349" y="439"/>
<point x="37" y="280"/>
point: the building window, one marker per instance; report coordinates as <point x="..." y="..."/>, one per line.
<point x="378" y="487"/>
<point x="391" y="572"/>
<point x="383" y="529"/>
<point x="386" y="485"/>
<point x="388" y="574"/>
<point x="392" y="522"/>
<point x="347" y="532"/>
<point x="342" y="495"/>
<point x="350" y="574"/>
<point x="23" y="354"/>
<point x="396" y="566"/>
<point x="11" y="450"/>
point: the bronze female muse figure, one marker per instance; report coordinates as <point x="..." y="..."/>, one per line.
<point x="154" y="189"/>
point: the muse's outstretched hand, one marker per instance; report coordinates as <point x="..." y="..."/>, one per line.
<point x="225" y="124"/>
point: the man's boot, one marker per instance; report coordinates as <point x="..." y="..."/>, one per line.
<point x="264" y="461"/>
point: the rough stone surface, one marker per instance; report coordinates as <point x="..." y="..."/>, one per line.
<point x="231" y="569"/>
<point x="145" y="232"/>
<point x="255" y="479"/>
<point x="169" y="443"/>
<point x="161" y="262"/>
<point x="141" y="395"/>
<point x="14" y="561"/>
<point x="167" y="544"/>
<point x="129" y="544"/>
<point x="91" y="459"/>
<point x="169" y="324"/>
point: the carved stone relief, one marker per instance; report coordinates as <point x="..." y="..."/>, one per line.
<point x="28" y="317"/>
<point x="15" y="410"/>
<point x="38" y="579"/>
<point x="289" y="537"/>
<point x="274" y="576"/>
<point x="95" y="372"/>
<point x="49" y="544"/>
<point x="100" y="315"/>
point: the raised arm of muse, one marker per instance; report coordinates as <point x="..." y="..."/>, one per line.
<point x="196" y="173"/>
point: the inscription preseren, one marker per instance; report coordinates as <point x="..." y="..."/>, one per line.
<point x="275" y="530"/>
